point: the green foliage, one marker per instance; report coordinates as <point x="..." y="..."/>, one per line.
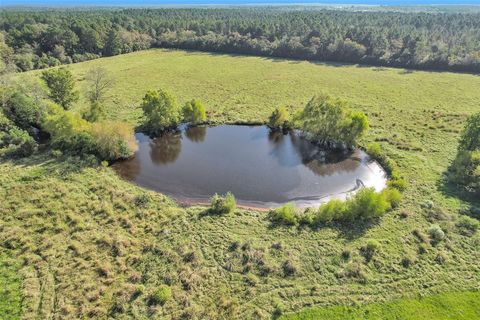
<point x="61" y="86"/>
<point x="279" y="119"/>
<point x="194" y="112"/>
<point x="465" y="169"/>
<point x="399" y="184"/>
<point x="470" y="139"/>
<point x="22" y="110"/>
<point x="366" y="204"/>
<point x="67" y="130"/>
<point x="113" y="140"/>
<point x="161" y="111"/>
<point x="222" y="204"/>
<point x="71" y="133"/>
<point x="161" y="295"/>
<point x="334" y="209"/>
<point x="284" y="215"/>
<point x="436" y="233"/>
<point x="331" y="122"/>
<point x="399" y="37"/>
<point x="95" y="113"/>
<point x="17" y="142"/>
<point x="393" y="196"/>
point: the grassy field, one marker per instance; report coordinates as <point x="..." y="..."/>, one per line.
<point x="88" y="244"/>
<point x="463" y="305"/>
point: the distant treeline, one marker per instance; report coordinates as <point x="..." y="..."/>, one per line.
<point x="438" y="41"/>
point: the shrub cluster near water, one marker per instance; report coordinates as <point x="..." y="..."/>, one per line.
<point x="326" y="120"/>
<point x="366" y="204"/>
<point x="162" y="112"/>
<point x="222" y="204"/>
<point x="24" y="116"/>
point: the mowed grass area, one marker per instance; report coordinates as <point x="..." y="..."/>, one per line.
<point x="89" y="244"/>
<point x="463" y="305"/>
<point x="10" y="292"/>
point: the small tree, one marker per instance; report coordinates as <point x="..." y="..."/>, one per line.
<point x="161" y="111"/>
<point x="279" y="118"/>
<point x="99" y="84"/>
<point x="470" y="139"/>
<point x="194" y="112"/>
<point x="331" y="122"/>
<point x="465" y="169"/>
<point x="61" y="86"/>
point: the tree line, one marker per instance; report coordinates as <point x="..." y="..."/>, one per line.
<point x="443" y="41"/>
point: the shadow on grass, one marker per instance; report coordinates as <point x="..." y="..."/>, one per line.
<point x="404" y="70"/>
<point x="450" y="189"/>
<point x="46" y="164"/>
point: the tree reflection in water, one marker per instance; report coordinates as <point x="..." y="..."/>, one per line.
<point x="196" y="134"/>
<point x="166" y="149"/>
<point x="320" y="161"/>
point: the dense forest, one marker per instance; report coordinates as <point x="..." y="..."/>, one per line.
<point x="442" y="41"/>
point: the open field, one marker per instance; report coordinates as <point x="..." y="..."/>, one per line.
<point x="463" y="305"/>
<point x="88" y="244"/>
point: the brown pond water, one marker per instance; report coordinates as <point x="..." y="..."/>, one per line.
<point x="261" y="168"/>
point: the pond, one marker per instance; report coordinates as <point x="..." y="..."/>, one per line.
<point x="261" y="168"/>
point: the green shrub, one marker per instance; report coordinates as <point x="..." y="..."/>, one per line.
<point x="436" y="233"/>
<point x="284" y="215"/>
<point x="441" y="258"/>
<point x="96" y="112"/>
<point x="161" y="111"/>
<point x="222" y="204"/>
<point x="70" y="133"/>
<point x="393" y="196"/>
<point x="399" y="184"/>
<point x="331" y="122"/>
<point x="194" y="112"/>
<point x="279" y="119"/>
<point x="369" y="249"/>
<point x="307" y="217"/>
<point x="289" y="269"/>
<point x="366" y="204"/>
<point x="465" y="169"/>
<point x="332" y="210"/>
<point x="18" y="142"/>
<point x="468" y="226"/>
<point x="161" y="295"/>
<point x="113" y="140"/>
<point x="22" y="111"/>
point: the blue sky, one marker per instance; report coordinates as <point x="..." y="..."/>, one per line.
<point x="180" y="2"/>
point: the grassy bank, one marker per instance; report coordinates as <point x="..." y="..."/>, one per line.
<point x="451" y="306"/>
<point x="91" y="245"/>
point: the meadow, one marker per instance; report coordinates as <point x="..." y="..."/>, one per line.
<point x="88" y="244"/>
